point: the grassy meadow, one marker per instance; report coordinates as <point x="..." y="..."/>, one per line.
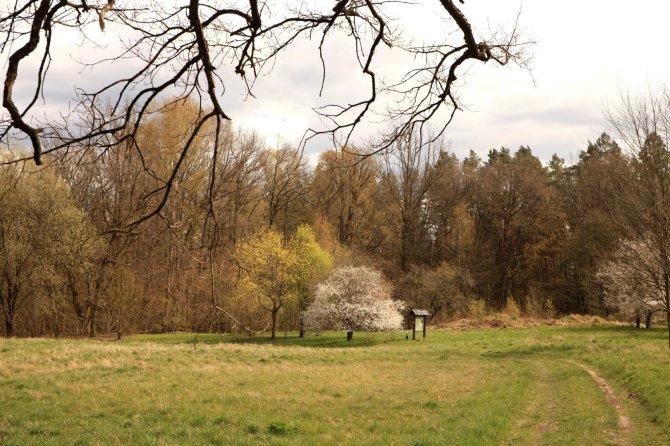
<point x="468" y="387"/>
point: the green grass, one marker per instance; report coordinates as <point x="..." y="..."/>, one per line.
<point x="474" y="387"/>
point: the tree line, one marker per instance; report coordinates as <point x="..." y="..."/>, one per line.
<point x="246" y="234"/>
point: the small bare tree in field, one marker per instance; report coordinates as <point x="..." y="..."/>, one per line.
<point x="354" y="299"/>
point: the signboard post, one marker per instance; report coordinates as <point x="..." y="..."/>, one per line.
<point x="419" y="322"/>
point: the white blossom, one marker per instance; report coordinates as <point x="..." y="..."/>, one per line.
<point x="354" y="299"/>
<point x="633" y="280"/>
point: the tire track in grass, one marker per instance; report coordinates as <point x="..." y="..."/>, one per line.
<point x="563" y="407"/>
<point x="610" y="395"/>
<point x="530" y="427"/>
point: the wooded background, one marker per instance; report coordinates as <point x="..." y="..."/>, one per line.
<point x="78" y="257"/>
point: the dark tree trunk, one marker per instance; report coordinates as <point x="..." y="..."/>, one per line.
<point x="91" y="321"/>
<point x="667" y="305"/>
<point x="274" y="321"/>
<point x="9" y="310"/>
<point x="647" y="319"/>
<point x="79" y="310"/>
<point x="637" y="321"/>
<point x="403" y="255"/>
<point x="301" y="323"/>
<point x="92" y="303"/>
<point x="350" y="335"/>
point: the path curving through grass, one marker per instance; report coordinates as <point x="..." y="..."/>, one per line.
<point x="475" y="387"/>
<point x="613" y="399"/>
<point x="564" y="406"/>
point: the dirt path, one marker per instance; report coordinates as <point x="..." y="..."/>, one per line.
<point x="624" y="421"/>
<point x="535" y="419"/>
<point x="563" y="406"/>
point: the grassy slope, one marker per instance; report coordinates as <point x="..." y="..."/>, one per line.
<point x="479" y="387"/>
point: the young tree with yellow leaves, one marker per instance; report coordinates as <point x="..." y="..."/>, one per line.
<point x="269" y="268"/>
<point x="277" y="270"/>
<point x="313" y="261"/>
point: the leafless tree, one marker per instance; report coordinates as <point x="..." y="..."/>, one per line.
<point x="408" y="176"/>
<point x="239" y="183"/>
<point x="643" y="124"/>
<point x="286" y="182"/>
<point x="182" y="51"/>
<point x="343" y="189"/>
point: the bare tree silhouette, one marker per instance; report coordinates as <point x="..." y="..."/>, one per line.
<point x="179" y="51"/>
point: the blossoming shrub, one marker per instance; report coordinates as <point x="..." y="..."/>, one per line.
<point x="354" y="299"/>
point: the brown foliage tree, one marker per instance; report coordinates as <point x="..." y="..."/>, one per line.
<point x="514" y="215"/>
<point x="37" y="264"/>
<point x="343" y="190"/>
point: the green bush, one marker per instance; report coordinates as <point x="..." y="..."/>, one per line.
<point x="512" y="309"/>
<point x="549" y="310"/>
<point x="477" y="309"/>
<point x="281" y="429"/>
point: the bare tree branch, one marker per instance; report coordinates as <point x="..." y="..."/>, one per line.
<point x="183" y="51"/>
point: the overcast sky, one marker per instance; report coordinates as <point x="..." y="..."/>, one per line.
<point x="587" y="51"/>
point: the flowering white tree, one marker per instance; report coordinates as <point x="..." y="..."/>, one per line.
<point x="643" y="210"/>
<point x="354" y="299"/>
<point x="633" y="281"/>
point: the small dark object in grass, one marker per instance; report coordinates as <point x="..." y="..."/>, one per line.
<point x="220" y="420"/>
<point x="431" y="405"/>
<point x="35" y="431"/>
<point x="280" y="428"/>
<point x="252" y="429"/>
